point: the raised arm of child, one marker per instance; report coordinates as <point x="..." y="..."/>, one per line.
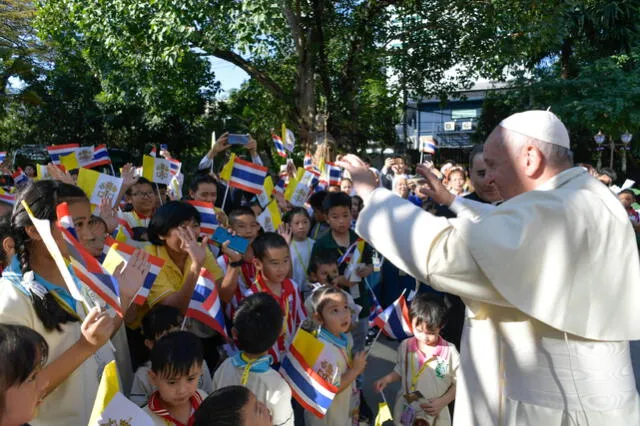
<point x="357" y="367"/>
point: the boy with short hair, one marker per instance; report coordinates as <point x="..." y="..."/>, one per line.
<point x="256" y="327"/>
<point x="176" y="364"/>
<point x="235" y="285"/>
<point x="157" y="323"/>
<point x="273" y="264"/>
<point x="320" y="226"/>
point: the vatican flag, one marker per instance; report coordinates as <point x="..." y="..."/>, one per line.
<point x="384" y="413"/>
<point x="225" y="173"/>
<point x="97" y="185"/>
<point x="270" y="219"/>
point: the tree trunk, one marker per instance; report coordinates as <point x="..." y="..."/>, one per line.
<point x="565" y="59"/>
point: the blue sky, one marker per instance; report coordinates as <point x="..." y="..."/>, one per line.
<point x="229" y="75"/>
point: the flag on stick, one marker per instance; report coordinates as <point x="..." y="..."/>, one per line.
<point x="248" y="176"/>
<point x="57" y="151"/>
<point x="205" y="304"/>
<point x="208" y="219"/>
<point x="277" y="143"/>
<point x="394" y="321"/>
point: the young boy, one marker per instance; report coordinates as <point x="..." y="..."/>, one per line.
<point x="176" y="364"/>
<point x="157" y="323"/>
<point x="256" y="327"/>
<point x="204" y="188"/>
<point x="320" y="226"/>
<point x="236" y="284"/>
<point x="273" y="264"/>
<point x="133" y="225"/>
<point x="323" y="270"/>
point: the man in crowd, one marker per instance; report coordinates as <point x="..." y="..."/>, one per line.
<point x="549" y="278"/>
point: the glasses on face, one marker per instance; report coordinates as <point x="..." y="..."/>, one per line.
<point x="143" y="194"/>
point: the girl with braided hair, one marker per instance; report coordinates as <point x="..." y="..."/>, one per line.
<point x="37" y="297"/>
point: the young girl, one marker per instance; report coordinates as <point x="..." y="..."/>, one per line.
<point x="301" y="246"/>
<point x="232" y="406"/>
<point x="38" y="298"/>
<point x="331" y="312"/>
<point x="23" y="353"/>
<point x="427" y="366"/>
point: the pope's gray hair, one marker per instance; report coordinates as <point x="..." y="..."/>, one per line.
<point x="555" y="155"/>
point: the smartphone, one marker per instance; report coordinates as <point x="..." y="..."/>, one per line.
<point x="236" y="243"/>
<point x="237" y="139"/>
<point x="164" y="147"/>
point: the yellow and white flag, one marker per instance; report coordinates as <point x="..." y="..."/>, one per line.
<point x="288" y="138"/>
<point x="156" y="170"/>
<point x="97" y="185"/>
<point x="111" y="407"/>
<point x="299" y="189"/>
<point x="270" y="219"/>
<point x="267" y="190"/>
<point x="78" y="158"/>
<point x="384" y="413"/>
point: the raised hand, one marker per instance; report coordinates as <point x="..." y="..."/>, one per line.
<point x="286" y="232"/>
<point x="364" y="180"/>
<point x="130" y="277"/>
<point x="197" y="252"/>
<point x="58" y="174"/>
<point x="252" y="146"/>
<point x="220" y="145"/>
<point x="97" y="328"/>
<point x="128" y="175"/>
<point x="233" y="255"/>
<point x="108" y="213"/>
<point x="433" y="187"/>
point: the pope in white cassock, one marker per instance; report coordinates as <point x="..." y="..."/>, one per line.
<point x="551" y="280"/>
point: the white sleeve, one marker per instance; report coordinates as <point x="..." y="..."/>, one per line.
<point x="257" y="160"/>
<point x="205" y="163"/>
<point x="465" y="208"/>
<point x="426" y="247"/>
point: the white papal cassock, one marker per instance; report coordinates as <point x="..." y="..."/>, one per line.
<point x="551" y="279"/>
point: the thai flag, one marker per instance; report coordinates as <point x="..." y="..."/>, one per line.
<point x="208" y="219"/>
<point x="57" y="151"/>
<point x="312" y="391"/>
<point x="394" y="321"/>
<point x="429" y="146"/>
<point x="277" y="142"/>
<point x="280" y="187"/>
<point x="153" y="152"/>
<point x="333" y="174"/>
<point x="100" y="157"/>
<point x="7" y="197"/>
<point x="307" y="163"/>
<point x="3" y="156"/>
<point x="248" y="176"/>
<point x="205" y="304"/>
<point x="19" y="178"/>
<point x="376" y="308"/>
<point x="86" y="267"/>
<point x="174" y="166"/>
<point x="126" y="251"/>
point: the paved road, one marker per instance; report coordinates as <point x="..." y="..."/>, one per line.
<point x="382" y="361"/>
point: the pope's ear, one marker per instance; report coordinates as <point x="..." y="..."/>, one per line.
<point x="534" y="161"/>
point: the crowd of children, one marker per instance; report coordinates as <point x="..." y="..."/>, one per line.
<point x="312" y="275"/>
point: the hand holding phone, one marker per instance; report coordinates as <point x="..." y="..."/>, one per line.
<point x="237" y="139"/>
<point x="236" y="243"/>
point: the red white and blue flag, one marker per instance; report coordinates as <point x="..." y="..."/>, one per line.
<point x="279" y="187"/>
<point x="394" y="321"/>
<point x="57" y="151"/>
<point x="174" y="166"/>
<point x="19" y="177"/>
<point x="205" y="304"/>
<point x="100" y="157"/>
<point x="307" y="163"/>
<point x="376" y="308"/>
<point x="153" y="152"/>
<point x="7" y="197"/>
<point x="3" y="156"/>
<point x="277" y="142"/>
<point x="86" y="267"/>
<point x="208" y="219"/>
<point x="125" y="251"/>
<point x="248" y="176"/>
<point x="333" y="174"/>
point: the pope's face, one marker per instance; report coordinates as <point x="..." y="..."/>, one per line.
<point x="502" y="163"/>
<point x="478" y="174"/>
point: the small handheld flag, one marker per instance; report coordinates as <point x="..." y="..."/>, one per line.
<point x="333" y="174"/>
<point x="205" y="304"/>
<point x="153" y="152"/>
<point x="157" y="170"/>
<point x="86" y="267"/>
<point x="19" y="178"/>
<point x="384" y="413"/>
<point x="225" y="173"/>
<point x="100" y="157"/>
<point x="98" y="185"/>
<point x="394" y="321"/>
<point x="307" y="163"/>
<point x="3" y="156"/>
<point x="208" y="219"/>
<point x="248" y="176"/>
<point x="270" y="219"/>
<point x="277" y="143"/>
<point x="7" y="197"/>
<point x="288" y="138"/>
<point x="264" y="198"/>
